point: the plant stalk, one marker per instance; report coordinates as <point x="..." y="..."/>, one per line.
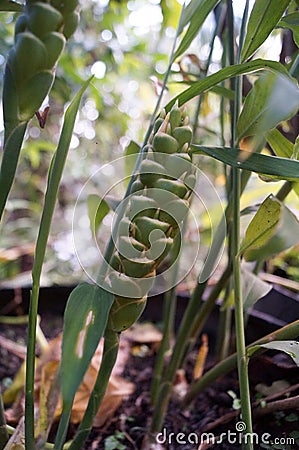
<point x="111" y="345"/>
<point x="235" y="257"/>
<point x="290" y="331"/>
<point x="168" y="323"/>
<point x="54" y="177"/>
<point x="177" y="355"/>
<point x="284" y="191"/>
<point x="194" y="318"/>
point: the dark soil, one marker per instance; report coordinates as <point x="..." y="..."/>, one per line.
<point x="128" y="427"/>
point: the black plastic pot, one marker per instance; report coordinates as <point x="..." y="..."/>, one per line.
<point x="278" y="308"/>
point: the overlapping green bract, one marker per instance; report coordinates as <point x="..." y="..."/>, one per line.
<point x="158" y="204"/>
<point x="40" y="35"/>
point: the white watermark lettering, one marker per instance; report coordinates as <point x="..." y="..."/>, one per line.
<point x="237" y="436"/>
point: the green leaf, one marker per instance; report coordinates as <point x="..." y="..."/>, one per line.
<point x="97" y="210"/>
<point x="265" y="106"/>
<point x="291" y="348"/>
<point x="131" y="153"/>
<point x="291" y="21"/>
<point x="85" y="319"/>
<point x="263" y="224"/>
<point x="112" y="202"/>
<point x="264" y="17"/>
<point x="278" y="168"/>
<point x="195" y="13"/>
<point x="188" y="13"/>
<point x="273" y="229"/>
<point x="11" y="153"/>
<point x="171" y="11"/>
<point x="280" y="145"/>
<point x="54" y="178"/>
<point x="9" y="5"/>
<point x="228" y="72"/>
<point x="253" y="288"/>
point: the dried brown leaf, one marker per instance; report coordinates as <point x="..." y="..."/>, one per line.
<point x="144" y="333"/>
<point x="118" y="388"/>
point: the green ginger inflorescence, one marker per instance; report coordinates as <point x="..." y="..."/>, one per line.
<point x="158" y="204"/>
<point x="40" y="35"/>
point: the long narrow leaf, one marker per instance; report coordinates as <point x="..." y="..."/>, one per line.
<point x="253" y="288"/>
<point x="263" y="224"/>
<point x="291" y="348"/>
<point x="265" y="106"/>
<point x="9" y="5"/>
<point x="263" y="19"/>
<point x="9" y="162"/>
<point x="197" y="13"/>
<point x="272" y="230"/>
<point x="188" y="13"/>
<point x="228" y="72"/>
<point x="85" y="321"/>
<point x="55" y="174"/>
<point x="291" y="21"/>
<point x="279" y="143"/>
<point x="279" y="168"/>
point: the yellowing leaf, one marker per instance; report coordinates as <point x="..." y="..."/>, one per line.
<point x="201" y="357"/>
<point x="263" y="224"/>
<point x="273" y="229"/>
<point x="97" y="210"/>
<point x="10" y="394"/>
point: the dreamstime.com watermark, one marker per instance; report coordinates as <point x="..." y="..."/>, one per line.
<point x="237" y="436"/>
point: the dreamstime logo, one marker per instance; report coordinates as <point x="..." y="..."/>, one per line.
<point x="166" y="202"/>
<point x="240" y="436"/>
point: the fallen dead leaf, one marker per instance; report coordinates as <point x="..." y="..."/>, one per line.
<point x="11" y="254"/>
<point x="201" y="357"/>
<point x="118" y="387"/>
<point x="144" y="333"/>
<point x="180" y="386"/>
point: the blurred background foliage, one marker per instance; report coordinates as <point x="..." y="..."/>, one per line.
<point x="126" y="45"/>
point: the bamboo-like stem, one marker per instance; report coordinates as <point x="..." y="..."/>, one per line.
<point x="284" y="190"/>
<point x="236" y="259"/>
<point x="110" y="348"/>
<point x="290" y="331"/>
<point x="225" y="321"/>
<point x="239" y="314"/>
<point x="168" y="325"/>
<point x="209" y="59"/>
<point x="183" y="343"/>
<point x="207" y="306"/>
<point x="170" y="300"/>
<point x="178" y="353"/>
<point x="194" y="319"/>
<point x="55" y="174"/>
<point x="111" y="345"/>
